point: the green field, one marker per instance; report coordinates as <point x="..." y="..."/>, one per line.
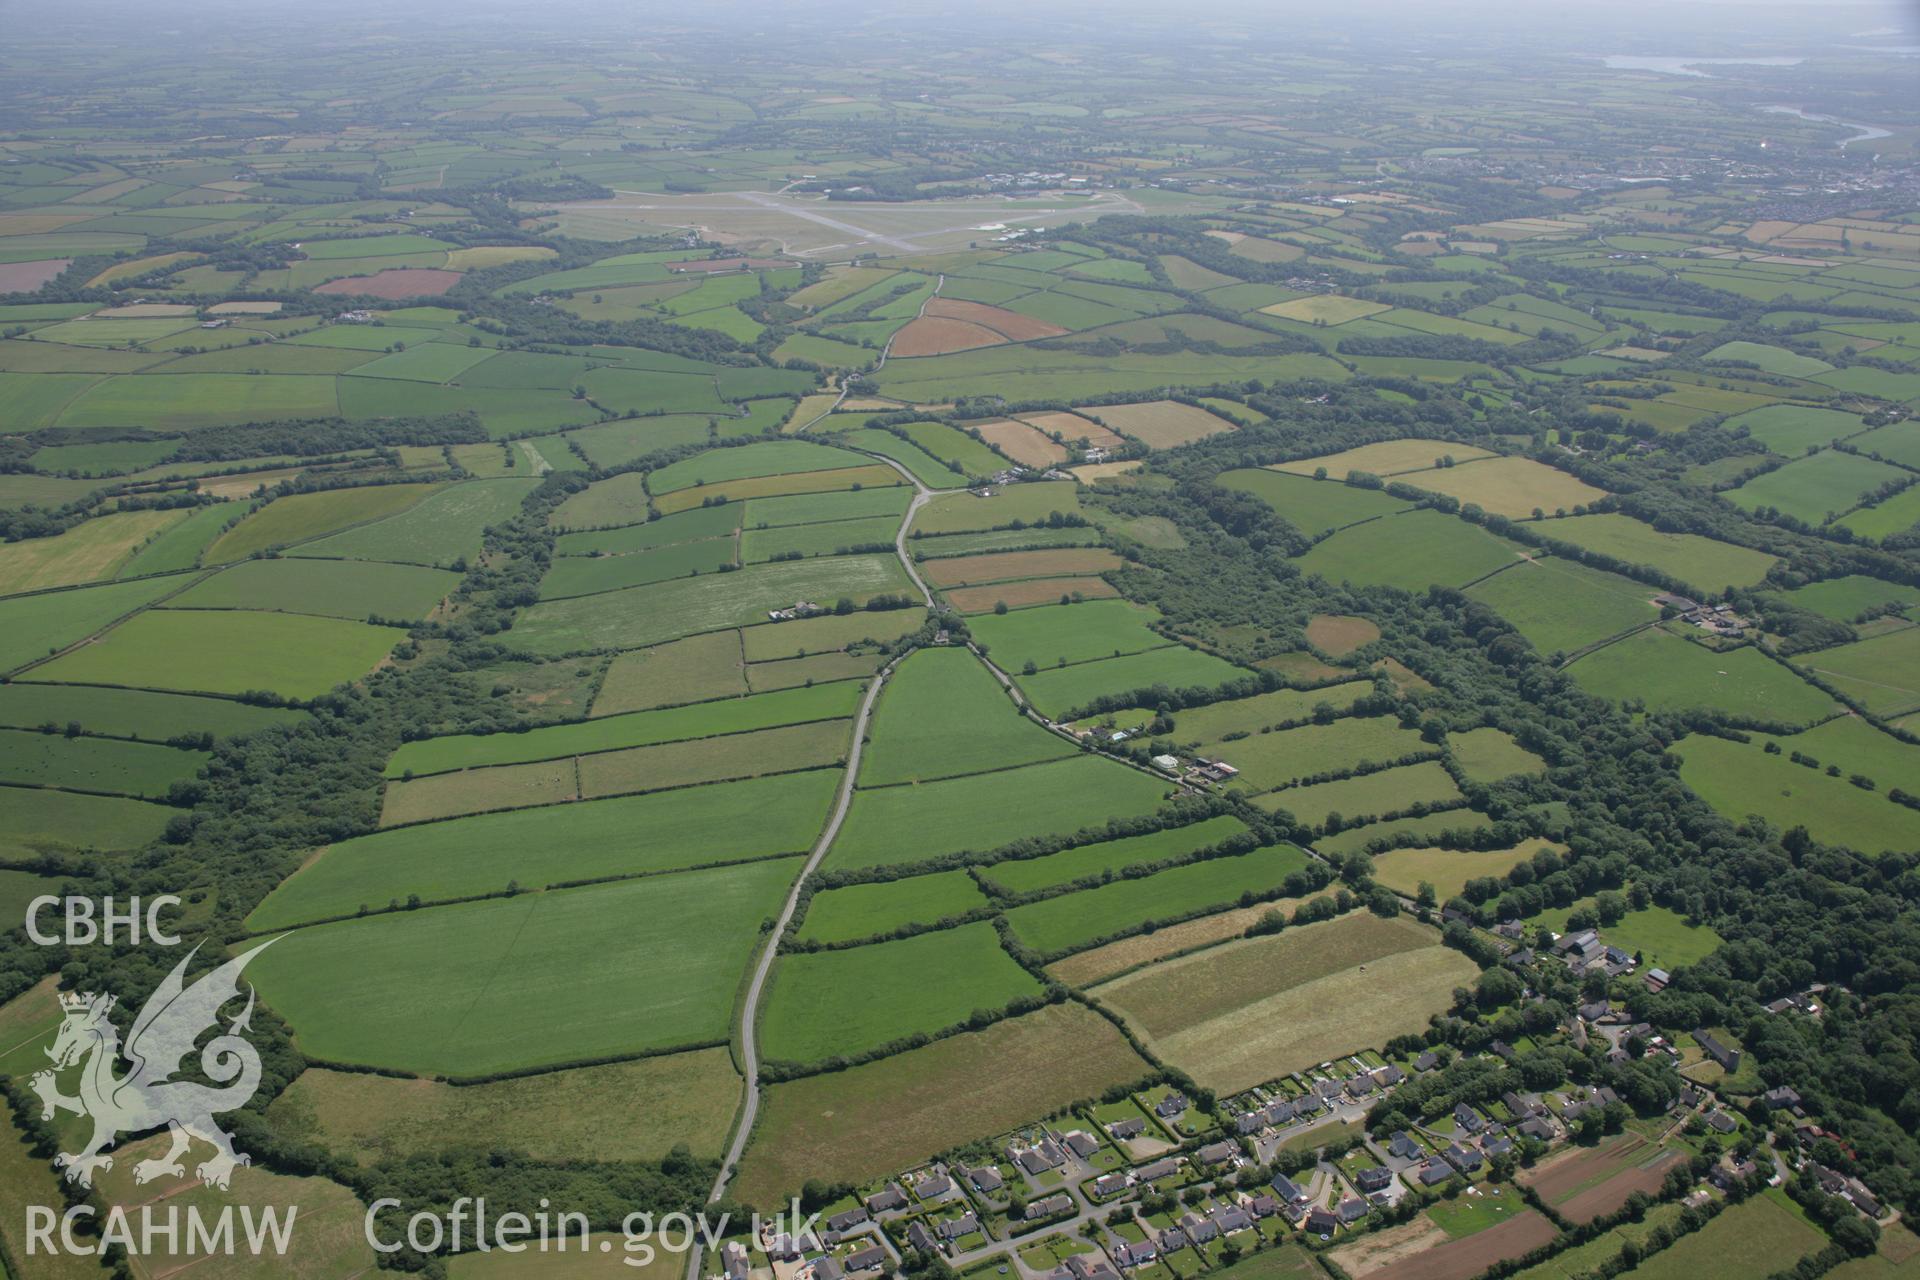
<point x="768" y="458"/>
<point x="828" y="634"/>
<point x="227" y="652"/>
<point x="133" y="713"/>
<point x="864" y="910"/>
<point x="1792" y="429"/>
<point x="1214" y="720"/>
<point x="1882" y="673"/>
<point x="179" y="545"/>
<point x="329" y="588"/>
<point x="107" y="765"/>
<point x="1052" y="635"/>
<point x="1412" y="551"/>
<point x="1740" y="779"/>
<point x="1313" y="506"/>
<point x="1448" y="870"/>
<point x="635" y="729"/>
<point x="1707" y="564"/>
<point x="1269" y="760"/>
<point x="827" y="1003"/>
<point x="1560" y="605"/>
<point x="837" y="537"/>
<point x="40" y="821"/>
<point x="965" y="513"/>
<point x="1755" y="1237"/>
<point x="586" y="575"/>
<point x="696" y="525"/>
<point x="1057" y="691"/>
<point x="444" y="529"/>
<point x="1074" y="920"/>
<point x="1388" y="791"/>
<point x="666" y="611"/>
<point x="984" y="811"/>
<point x="1402" y="832"/>
<point x="31" y="627"/>
<point x="1027" y="874"/>
<point x="593" y="839"/>
<point x="304" y="516"/>
<point x="575" y="974"/>
<point x="817" y="508"/>
<point x="1816" y="488"/>
<point x="942" y="713"/>
<point x="604" y="504"/>
<point x="1488" y="755"/>
<point x="690" y="670"/>
<point x="1668" y="673"/>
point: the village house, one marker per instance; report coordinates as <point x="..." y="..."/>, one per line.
<point x="891" y="1198"/>
<point x="1373" y="1178"/>
<point x="866" y="1259"/>
<point x="1467" y="1119"/>
<point x="1434" y="1172"/>
<point x="826" y="1267"/>
<point x="1199" y="1230"/>
<point x="932" y="1186"/>
<point x="1109" y="1184"/>
<point x="1081" y="1143"/>
<point x="1350" y="1210"/>
<point x="964" y="1225"/>
<point x="1136" y="1255"/>
<point x="1124" y="1129"/>
<point x="1465" y="1159"/>
<point x="1158" y="1169"/>
<point x="1321" y="1222"/>
<point x="1171" y="1240"/>
<point x="1231" y="1219"/>
<point x="1403" y="1146"/>
<point x="1218" y="1152"/>
<point x="1728" y="1058"/>
<point x="734" y="1260"/>
<point x="986" y="1179"/>
<point x="1047" y="1206"/>
<point x="850" y="1218"/>
<point x="1170" y="1106"/>
<point x="922" y="1239"/>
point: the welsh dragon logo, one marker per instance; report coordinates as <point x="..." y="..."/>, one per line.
<point x="148" y="1097"/>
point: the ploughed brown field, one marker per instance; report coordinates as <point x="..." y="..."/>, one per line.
<point x="396" y="282"/>
<point x="949" y="325"/>
<point x="1421" y="1251"/>
<point x="1024" y="444"/>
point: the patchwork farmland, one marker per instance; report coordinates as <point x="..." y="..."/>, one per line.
<point x="1103" y="649"/>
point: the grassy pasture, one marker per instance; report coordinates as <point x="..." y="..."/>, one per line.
<point x="304" y="516"/>
<point x="1269" y="760"/>
<point x="229" y="651"/>
<point x="647" y="615"/>
<point x="634" y="729"/>
<point x="965" y="513"/>
<point x="1213" y="721"/>
<point x="1668" y="673"/>
<point x="1562" y="605"/>
<point x="87" y="552"/>
<point x="674" y="1098"/>
<point x="690" y="670"/>
<point x="40" y="821"/>
<point x="1313" y="507"/>
<point x="913" y="1104"/>
<point x="1704" y="562"/>
<point x="1488" y="755"/>
<point x="827" y="634"/>
<point x="618" y="500"/>
<point x="1219" y="1013"/>
<point x="1411" y="551"/>
<point x="31" y="627"/>
<point x="1072" y="920"/>
<point x="819" y="508"/>
<point x="833" y="1002"/>
<point x="955" y="448"/>
<point x="1057" y="690"/>
<point x="1387" y="791"/>
<point x="864" y="910"/>
<point x="111" y="765"/>
<point x="1896" y="442"/>
<point x="1027" y="874"/>
<point x="1894" y="515"/>
<point x="820" y="668"/>
<point x="837" y="537"/>
<point x="133" y="713"/>
<point x="1384" y="458"/>
<point x="1770" y="359"/>
<point x="330" y="588"/>
<point x="179" y="545"/>
<point x="570" y="576"/>
<point x="1067" y="633"/>
<point x="582" y="973"/>
<point x="1844" y="599"/>
<point x="984" y="811"/>
<point x="1402" y="831"/>
<point x="1448" y="870"/>
<point x="872" y="475"/>
<point x="461" y="857"/>
<point x="443" y="529"/>
<point x="1512" y="487"/>
<point x="1739" y="779"/>
<point x="1338" y="635"/>
<point x="767" y="458"/>
<point x="1791" y="429"/>
<point x="1029" y="592"/>
<point x="1880" y="672"/>
<point x="183" y="401"/>
<point x="943" y="713"/>
<point x="1815" y="488"/>
<point x="1748" y="1239"/>
<point x="698" y="525"/>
